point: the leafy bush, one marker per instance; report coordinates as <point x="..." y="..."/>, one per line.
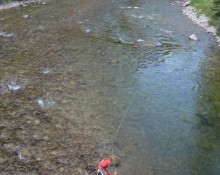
<point x="210" y="8"/>
<point x="4" y="1"/>
<point x="216" y="14"/>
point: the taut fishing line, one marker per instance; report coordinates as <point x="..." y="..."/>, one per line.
<point x="119" y="126"/>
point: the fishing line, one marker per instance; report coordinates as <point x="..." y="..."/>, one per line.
<point x="122" y="120"/>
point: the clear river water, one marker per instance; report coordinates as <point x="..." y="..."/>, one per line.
<point x="71" y="70"/>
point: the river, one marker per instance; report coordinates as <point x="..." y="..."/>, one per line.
<point x="73" y="71"/>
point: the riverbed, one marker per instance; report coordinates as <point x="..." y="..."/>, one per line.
<point x="72" y="70"/>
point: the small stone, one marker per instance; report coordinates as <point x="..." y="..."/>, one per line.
<point x="26" y="16"/>
<point x="47" y="165"/>
<point x="36" y="122"/>
<point x="2" y="160"/>
<point x="54" y="153"/>
<point x="10" y="147"/>
<point x="88" y="30"/>
<point x="193" y="37"/>
<point x="43" y="3"/>
<point x="45" y="138"/>
<point x="37" y="137"/>
<point x="140" y="40"/>
<point x="36" y="113"/>
<point x="38" y="159"/>
<point x="61" y="169"/>
<point x="114" y="61"/>
<point x="64" y="101"/>
<point x="186" y="4"/>
<point x="24" y="154"/>
<point x="58" y="126"/>
<point x="13" y="114"/>
<point x="159" y="44"/>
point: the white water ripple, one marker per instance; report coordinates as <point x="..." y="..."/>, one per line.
<point x="4" y="34"/>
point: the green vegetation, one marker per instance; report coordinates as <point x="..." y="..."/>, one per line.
<point x="7" y="1"/>
<point x="203" y="6"/>
<point x="211" y="8"/>
<point x="216" y="16"/>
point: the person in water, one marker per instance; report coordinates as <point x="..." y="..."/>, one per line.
<point x="103" y="165"/>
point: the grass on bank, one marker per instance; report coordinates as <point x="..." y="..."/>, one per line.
<point x="210" y="8"/>
<point x="203" y="6"/>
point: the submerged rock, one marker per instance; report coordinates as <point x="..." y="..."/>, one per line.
<point x="61" y="169"/>
<point x="141" y="42"/>
<point x="114" y="61"/>
<point x="36" y="122"/>
<point x="14" y="86"/>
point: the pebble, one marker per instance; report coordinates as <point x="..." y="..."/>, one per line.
<point x="10" y="147"/>
<point x="2" y="160"/>
<point x="114" y="61"/>
<point x="38" y="159"/>
<point x="45" y="138"/>
<point x="186" y="4"/>
<point x="23" y="154"/>
<point x="88" y="30"/>
<point x="53" y="153"/>
<point x="25" y="16"/>
<point x="64" y="101"/>
<point x="140" y="40"/>
<point x="61" y="169"/>
<point x="40" y="102"/>
<point x="36" y="122"/>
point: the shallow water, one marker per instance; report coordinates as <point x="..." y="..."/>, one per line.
<point x="69" y="72"/>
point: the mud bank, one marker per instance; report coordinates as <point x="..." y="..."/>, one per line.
<point x="202" y="20"/>
<point x="18" y="4"/>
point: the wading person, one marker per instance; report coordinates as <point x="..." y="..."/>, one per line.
<point x="103" y="165"/>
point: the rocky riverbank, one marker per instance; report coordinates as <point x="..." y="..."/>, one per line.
<point x="201" y="20"/>
<point x="19" y="3"/>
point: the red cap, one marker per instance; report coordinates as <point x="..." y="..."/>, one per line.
<point x="105" y="163"/>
